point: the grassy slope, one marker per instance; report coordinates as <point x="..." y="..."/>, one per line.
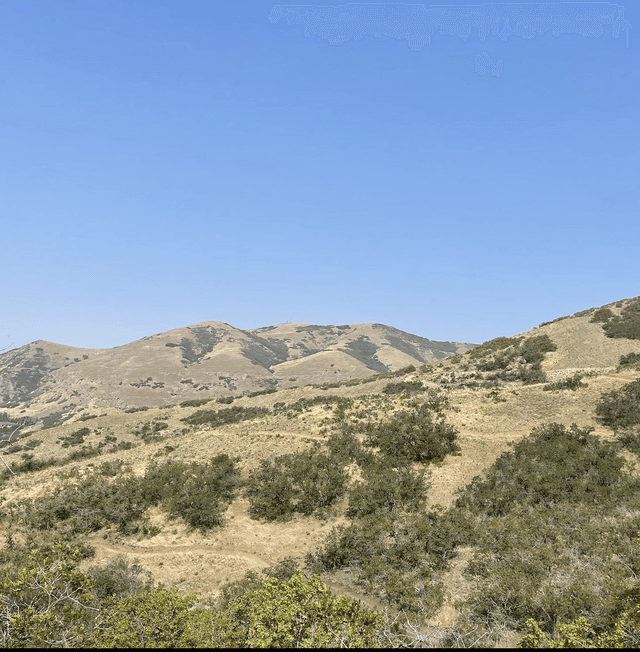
<point x="487" y="423"/>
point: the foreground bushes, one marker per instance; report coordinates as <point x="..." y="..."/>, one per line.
<point x="300" y="613"/>
<point x="556" y="531"/>
<point x="48" y="602"/>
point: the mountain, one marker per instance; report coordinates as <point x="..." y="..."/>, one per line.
<point x="464" y="495"/>
<point x="207" y="360"/>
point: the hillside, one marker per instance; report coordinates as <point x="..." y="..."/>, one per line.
<point x="207" y="360"/>
<point x="423" y="510"/>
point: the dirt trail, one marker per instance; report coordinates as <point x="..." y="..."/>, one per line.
<point x="106" y="550"/>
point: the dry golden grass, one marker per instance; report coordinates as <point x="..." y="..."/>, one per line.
<point x="195" y="562"/>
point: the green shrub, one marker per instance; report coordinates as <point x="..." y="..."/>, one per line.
<point x="303" y="482"/>
<point x="513" y="359"/>
<point x="411" y="387"/>
<point x="262" y="392"/>
<point x="45" y="600"/>
<point x="500" y="360"/>
<point x="629" y="360"/>
<point x="84" y="453"/>
<point x="75" y="438"/>
<point x="199" y="493"/>
<point x="627" y="325"/>
<point x="551" y="465"/>
<point x="346" y="448"/>
<point x="299" y="613"/>
<point x="195" y="402"/>
<point x="572" y="383"/>
<point x="414" y="436"/>
<point x="532" y="375"/>
<point x="216" y="418"/>
<point x="601" y="315"/>
<point x="149" y="430"/>
<point x="111" y="469"/>
<point x="494" y="345"/>
<point x="118" y="578"/>
<point x="155" y="618"/>
<point x="556" y="531"/>
<point x="386" y="488"/>
<point x="397" y="559"/>
<point x="534" y="348"/>
<point x="86" y="417"/>
<point x="305" y="404"/>
<point x="629" y="438"/>
<point x="284" y="570"/>
<point x="620" y="408"/>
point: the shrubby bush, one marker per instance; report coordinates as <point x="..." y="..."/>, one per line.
<point x="197" y="492"/>
<point x="154" y="618"/>
<point x="387" y="489"/>
<point x="534" y="348"/>
<point x="629" y="438"/>
<point x="305" y="404"/>
<point x="398" y="559"/>
<point x="304" y="483"/>
<point x="118" y="578"/>
<point x="552" y="465"/>
<point x="195" y="402"/>
<point x="215" y="418"/>
<point x="47" y="601"/>
<point x="346" y="448"/>
<point x="629" y="360"/>
<point x="89" y="506"/>
<point x="300" y="612"/>
<point x="512" y="359"/>
<point x="406" y="386"/>
<point x="627" y="325"/>
<point x="494" y="345"/>
<point x="556" y="531"/>
<point x="572" y="383"/>
<point x="75" y="438"/>
<point x="601" y="315"/>
<point x="414" y="436"/>
<point x="620" y="408"/>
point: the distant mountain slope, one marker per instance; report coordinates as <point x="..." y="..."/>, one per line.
<point x="205" y="360"/>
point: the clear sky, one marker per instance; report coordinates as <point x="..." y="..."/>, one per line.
<point x="456" y="171"/>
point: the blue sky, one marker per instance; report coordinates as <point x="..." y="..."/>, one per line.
<point x="167" y="162"/>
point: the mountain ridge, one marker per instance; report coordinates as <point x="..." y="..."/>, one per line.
<point x="206" y="360"/>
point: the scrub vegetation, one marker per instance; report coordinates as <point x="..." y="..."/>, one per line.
<point x="468" y="502"/>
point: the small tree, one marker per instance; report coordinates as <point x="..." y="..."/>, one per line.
<point x="301" y="613"/>
<point x="46" y="603"/>
<point x="158" y="618"/>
